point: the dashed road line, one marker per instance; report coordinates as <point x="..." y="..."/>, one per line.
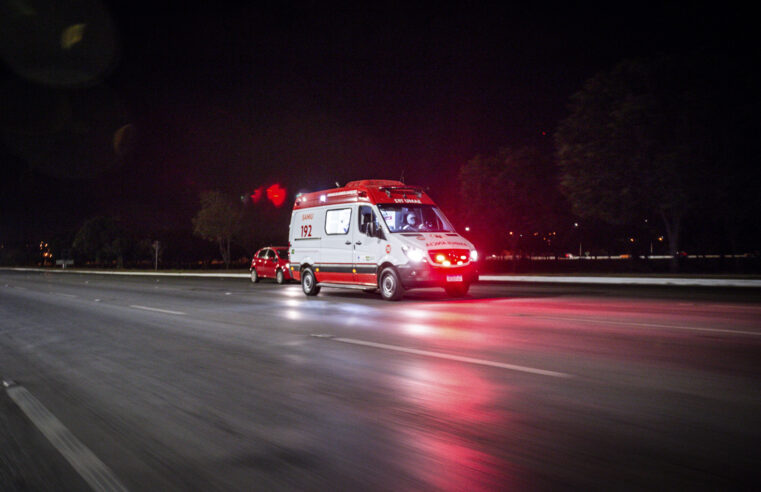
<point x="649" y="325"/>
<point x="439" y="355"/>
<point x="165" y="311"/>
<point x="93" y="470"/>
<point x="62" y="294"/>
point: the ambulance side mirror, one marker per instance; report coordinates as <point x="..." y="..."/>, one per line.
<point x="372" y="231"/>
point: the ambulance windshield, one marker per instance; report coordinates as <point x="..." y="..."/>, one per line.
<point x="414" y="218"/>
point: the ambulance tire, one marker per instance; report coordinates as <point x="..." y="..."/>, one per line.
<point x="457" y="290"/>
<point x="391" y="288"/>
<point x="308" y="282"/>
<point x="254" y="276"/>
<point x="280" y="277"/>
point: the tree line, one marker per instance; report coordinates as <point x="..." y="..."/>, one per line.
<point x="667" y="145"/>
<point x="661" y="151"/>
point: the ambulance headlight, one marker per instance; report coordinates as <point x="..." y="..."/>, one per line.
<point x="414" y="254"/>
<point x="473" y="255"/>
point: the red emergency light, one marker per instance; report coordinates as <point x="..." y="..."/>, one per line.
<point x="276" y="194"/>
<point x="257" y="195"/>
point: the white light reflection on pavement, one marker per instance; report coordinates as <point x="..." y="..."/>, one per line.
<point x="417" y="329"/>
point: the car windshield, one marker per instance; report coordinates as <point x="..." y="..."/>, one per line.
<point x="414" y="218"/>
<point x="282" y="253"/>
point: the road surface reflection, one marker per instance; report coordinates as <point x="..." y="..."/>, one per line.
<point x="449" y="411"/>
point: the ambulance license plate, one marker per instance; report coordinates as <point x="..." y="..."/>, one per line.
<point x="454" y="278"/>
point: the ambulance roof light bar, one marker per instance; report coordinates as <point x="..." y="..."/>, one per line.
<point x="401" y="189"/>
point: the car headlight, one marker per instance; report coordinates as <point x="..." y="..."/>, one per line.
<point x="473" y="255"/>
<point x="414" y="254"/>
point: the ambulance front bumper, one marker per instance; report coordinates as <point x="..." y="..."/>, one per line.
<point x="426" y="275"/>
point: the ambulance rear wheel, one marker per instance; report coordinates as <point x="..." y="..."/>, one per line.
<point x="390" y="287"/>
<point x="457" y="290"/>
<point x="254" y="276"/>
<point x="279" y="277"/>
<point x="309" y="283"/>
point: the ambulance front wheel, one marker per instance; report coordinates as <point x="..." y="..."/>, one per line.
<point x="254" y="276"/>
<point x="390" y="287"/>
<point x="309" y="283"/>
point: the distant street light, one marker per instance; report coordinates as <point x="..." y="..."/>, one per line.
<point x="576" y="225"/>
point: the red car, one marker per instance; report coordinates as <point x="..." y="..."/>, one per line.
<point x="271" y="262"/>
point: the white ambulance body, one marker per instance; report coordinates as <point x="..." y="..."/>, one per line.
<point x="377" y="234"/>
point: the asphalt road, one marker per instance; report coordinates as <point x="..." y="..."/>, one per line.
<point x="212" y="384"/>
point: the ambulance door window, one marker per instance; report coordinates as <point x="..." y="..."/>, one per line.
<point x="367" y="216"/>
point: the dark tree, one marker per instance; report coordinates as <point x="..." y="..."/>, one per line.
<point x="644" y="139"/>
<point x="101" y="239"/>
<point x="219" y="220"/>
<point x="514" y="191"/>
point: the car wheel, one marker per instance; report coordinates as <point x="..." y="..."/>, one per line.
<point x="279" y="277"/>
<point x="309" y="283"/>
<point x="390" y="287"/>
<point x="457" y="290"/>
<point x="254" y="276"/>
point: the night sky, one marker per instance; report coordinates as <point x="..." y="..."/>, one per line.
<point x="217" y="95"/>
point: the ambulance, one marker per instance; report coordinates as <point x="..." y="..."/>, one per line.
<point x="377" y="235"/>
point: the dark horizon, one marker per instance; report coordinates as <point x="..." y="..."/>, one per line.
<point x="239" y="97"/>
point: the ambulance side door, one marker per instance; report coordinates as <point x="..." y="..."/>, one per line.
<point x="368" y="248"/>
<point x="336" y="258"/>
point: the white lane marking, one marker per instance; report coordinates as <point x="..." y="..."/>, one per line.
<point x="165" y="311"/>
<point x="65" y="295"/>
<point x="672" y="281"/>
<point x="93" y="470"/>
<point x="650" y="325"/>
<point x="145" y="274"/>
<point x="458" y="358"/>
